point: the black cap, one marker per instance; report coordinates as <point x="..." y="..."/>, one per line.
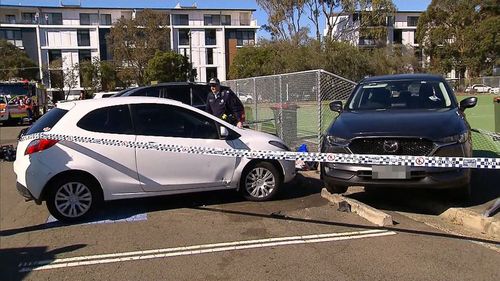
<point x="214" y="81"/>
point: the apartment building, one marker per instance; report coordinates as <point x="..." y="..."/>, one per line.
<point x="401" y="29"/>
<point x="72" y="34"/>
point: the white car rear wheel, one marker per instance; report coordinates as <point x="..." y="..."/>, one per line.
<point x="73" y="198"/>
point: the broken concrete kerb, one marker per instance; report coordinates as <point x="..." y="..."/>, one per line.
<point x="371" y="214"/>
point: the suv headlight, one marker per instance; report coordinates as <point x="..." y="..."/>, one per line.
<point x="460" y="138"/>
<point x="334" y="140"/>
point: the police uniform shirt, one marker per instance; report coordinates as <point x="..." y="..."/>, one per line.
<point x="220" y="103"/>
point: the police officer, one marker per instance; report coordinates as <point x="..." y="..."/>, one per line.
<point x="225" y="104"/>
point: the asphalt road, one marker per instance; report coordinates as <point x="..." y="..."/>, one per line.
<point x="219" y="236"/>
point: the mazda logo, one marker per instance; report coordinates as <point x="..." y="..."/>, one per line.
<point x="391" y="146"/>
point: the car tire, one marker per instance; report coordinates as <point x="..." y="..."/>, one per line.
<point x="73" y="198"/>
<point x="335" y="188"/>
<point x="260" y="182"/>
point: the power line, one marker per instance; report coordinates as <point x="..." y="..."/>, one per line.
<point x="16" y="68"/>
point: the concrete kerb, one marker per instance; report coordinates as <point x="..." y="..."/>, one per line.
<point x="371" y="214"/>
<point x="473" y="221"/>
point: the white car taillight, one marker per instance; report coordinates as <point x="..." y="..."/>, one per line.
<point x="39" y="145"/>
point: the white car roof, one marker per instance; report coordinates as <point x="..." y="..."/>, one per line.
<point x="79" y="108"/>
<point x="97" y="103"/>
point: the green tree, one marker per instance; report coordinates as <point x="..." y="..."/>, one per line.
<point x="372" y="17"/>
<point x="169" y="67"/>
<point x="252" y="61"/>
<point x="90" y="76"/>
<point x="460" y="35"/>
<point x="70" y="78"/>
<point x="108" y="76"/>
<point x="392" y="59"/>
<point x="135" y="41"/>
<point x="15" y="63"/>
<point x="284" y="17"/>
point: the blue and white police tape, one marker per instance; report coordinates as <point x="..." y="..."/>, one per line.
<point x="362" y="159"/>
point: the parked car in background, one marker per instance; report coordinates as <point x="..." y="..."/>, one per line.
<point x="495" y="90"/>
<point x="13" y="109"/>
<point x="411" y="114"/>
<point x="478" y="88"/>
<point x="74" y="178"/>
<point x="101" y="95"/>
<point x="245" y="98"/>
<point x="194" y="94"/>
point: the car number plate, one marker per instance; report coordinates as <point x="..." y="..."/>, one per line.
<point x="390" y="172"/>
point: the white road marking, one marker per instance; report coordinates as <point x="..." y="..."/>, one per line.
<point x="198" y="249"/>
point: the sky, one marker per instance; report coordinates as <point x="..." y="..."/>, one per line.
<point x="259" y="14"/>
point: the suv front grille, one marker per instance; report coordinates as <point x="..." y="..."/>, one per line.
<point x="391" y="146"/>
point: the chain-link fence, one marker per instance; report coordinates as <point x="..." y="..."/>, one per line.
<point x="492" y="81"/>
<point x="294" y="106"/>
<point x="460" y="85"/>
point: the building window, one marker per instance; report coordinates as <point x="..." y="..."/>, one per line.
<point x="10" y="18"/>
<point x="84" y="55"/>
<point x="244" y="18"/>
<point x="210" y="56"/>
<point x="184" y="36"/>
<point x="245" y="38"/>
<point x="56" y="79"/>
<point x="217" y="19"/>
<point x="356" y="17"/>
<point x="83" y="36"/>
<point x="29" y="18"/>
<point x="55" y="58"/>
<point x="13" y="36"/>
<point x="53" y="18"/>
<point x="225" y="19"/>
<point x="210" y="37"/>
<point x="412" y="21"/>
<point x="181" y="19"/>
<point x="398" y="36"/>
<point x="105" y="19"/>
<point x="211" y="19"/>
<point x="89" y="19"/>
<point x="390" y="21"/>
<point x="211" y="73"/>
<point x="184" y="52"/>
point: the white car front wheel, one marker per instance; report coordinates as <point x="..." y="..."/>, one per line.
<point x="260" y="182"/>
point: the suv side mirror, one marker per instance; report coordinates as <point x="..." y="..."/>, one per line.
<point x="468" y="103"/>
<point x="223" y="132"/>
<point x="336" y="106"/>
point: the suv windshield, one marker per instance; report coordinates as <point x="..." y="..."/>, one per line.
<point x="401" y="94"/>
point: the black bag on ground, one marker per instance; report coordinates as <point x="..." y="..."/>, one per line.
<point x="8" y="153"/>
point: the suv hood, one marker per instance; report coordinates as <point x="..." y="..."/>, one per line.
<point x="430" y="124"/>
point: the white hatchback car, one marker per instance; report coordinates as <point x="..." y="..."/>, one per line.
<point x="74" y="177"/>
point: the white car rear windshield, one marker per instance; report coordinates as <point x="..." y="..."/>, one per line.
<point x="47" y="121"/>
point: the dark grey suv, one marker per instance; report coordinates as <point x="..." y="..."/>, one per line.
<point x="410" y="114"/>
